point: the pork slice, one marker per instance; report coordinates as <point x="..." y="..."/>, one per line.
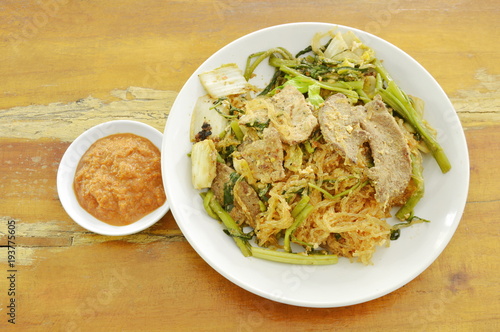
<point x="265" y="156"/>
<point x="292" y="116"/>
<point x="391" y="172"/>
<point x="246" y="204"/>
<point x="340" y="123"/>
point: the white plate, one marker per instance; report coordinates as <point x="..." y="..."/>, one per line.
<point x="344" y="283"/>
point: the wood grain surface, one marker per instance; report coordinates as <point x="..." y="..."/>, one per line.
<point x="66" y="65"/>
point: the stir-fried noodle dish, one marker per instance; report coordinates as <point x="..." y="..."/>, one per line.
<point x="309" y="168"/>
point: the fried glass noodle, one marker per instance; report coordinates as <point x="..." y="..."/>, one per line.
<point x="351" y="225"/>
<point x="318" y="159"/>
<point x="349" y="222"/>
<point x="346" y="220"/>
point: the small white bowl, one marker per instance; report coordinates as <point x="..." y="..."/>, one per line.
<point x="67" y="169"/>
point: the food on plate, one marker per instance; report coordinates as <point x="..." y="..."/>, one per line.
<point x="310" y="167"/>
<point x="118" y="179"/>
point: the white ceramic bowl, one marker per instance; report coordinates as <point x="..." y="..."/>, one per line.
<point x="67" y="169"/>
<point x="344" y="283"/>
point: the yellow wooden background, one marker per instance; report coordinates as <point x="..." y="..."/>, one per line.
<point x="66" y="65"/>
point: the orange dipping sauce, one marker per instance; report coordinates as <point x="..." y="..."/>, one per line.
<point x="118" y="180"/>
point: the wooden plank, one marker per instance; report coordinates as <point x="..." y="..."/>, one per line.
<point x="484" y="152"/>
<point x="67" y="65"/>
<point x="167" y="282"/>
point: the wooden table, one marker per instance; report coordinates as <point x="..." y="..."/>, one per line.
<point x="68" y="65"/>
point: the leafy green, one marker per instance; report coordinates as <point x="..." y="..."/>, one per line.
<point x="402" y="104"/>
<point x="228" y="191"/>
<point x="396" y="229"/>
<point x="258" y="125"/>
<point x="232" y="226"/>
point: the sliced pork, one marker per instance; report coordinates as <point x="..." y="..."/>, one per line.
<point x="348" y="127"/>
<point x="390" y="152"/>
<point x="291" y="115"/>
<point x="245" y="200"/>
<point x="340" y="124"/>
<point x="265" y="156"/>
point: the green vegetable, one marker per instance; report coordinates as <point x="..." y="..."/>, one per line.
<point x="395" y="234"/>
<point x="314" y="95"/>
<point x="312" y="88"/>
<point x="396" y="229"/>
<point x="278" y="76"/>
<point x="228" y="111"/>
<point x="207" y="197"/>
<point x="228" y="191"/>
<point x="402" y="104"/>
<point x="293" y="258"/>
<point x="302" y="243"/>
<point x="293" y="158"/>
<point x="301" y="217"/>
<point x="308" y="147"/>
<point x="344" y="87"/>
<point x="237" y="130"/>
<point x="243" y="236"/>
<point x="304" y="200"/>
<point x="263" y="190"/>
<point x="232" y="226"/>
<point x="359" y="184"/>
<point x="406" y="211"/>
<point x="261" y="56"/>
<point x="258" y="125"/>
<point x="363" y="96"/>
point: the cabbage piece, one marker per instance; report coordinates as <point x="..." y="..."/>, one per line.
<point x="348" y="48"/>
<point x="351" y="40"/>
<point x="224" y="81"/>
<point x="204" y="113"/>
<point x="242" y="167"/>
<point x="337" y="45"/>
<point x="312" y="88"/>
<point x="293" y="158"/>
<point x="203" y="164"/>
<point x="370" y="86"/>
<point x="314" y="95"/>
